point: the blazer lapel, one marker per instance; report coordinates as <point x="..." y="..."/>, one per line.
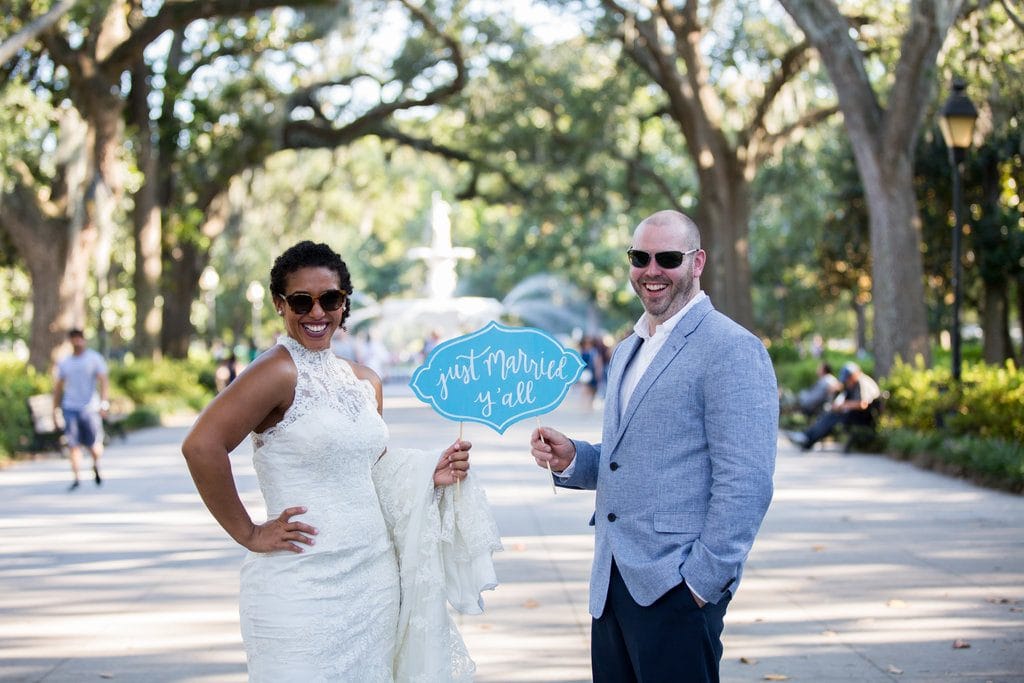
<point x="627" y="349"/>
<point x="673" y="345"/>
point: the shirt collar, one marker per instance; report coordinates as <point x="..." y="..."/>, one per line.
<point x="641" y="327"/>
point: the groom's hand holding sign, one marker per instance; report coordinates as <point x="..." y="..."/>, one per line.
<point x="552" y="449"/>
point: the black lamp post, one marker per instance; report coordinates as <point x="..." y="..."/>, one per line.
<point x="957" y="124"/>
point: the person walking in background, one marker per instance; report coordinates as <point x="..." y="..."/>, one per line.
<point x="851" y="407"/>
<point x="592" y="371"/>
<point x="81" y="391"/>
<point x="684" y="471"/>
<point x="227" y="370"/>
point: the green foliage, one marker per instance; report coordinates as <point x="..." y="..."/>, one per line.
<point x="991" y="462"/>
<point x="784" y="353"/>
<point x="810" y="253"/>
<point x="165" y="386"/>
<point x="989" y="403"/>
<point x="24" y="120"/>
<point x="18" y="381"/>
<point x="974" y="431"/>
<point x="140" y="418"/>
<point x="992" y="403"/>
<point x="918" y="396"/>
<point x="15" y="292"/>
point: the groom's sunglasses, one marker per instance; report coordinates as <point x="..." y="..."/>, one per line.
<point x="302" y="303"/>
<point x="665" y="259"/>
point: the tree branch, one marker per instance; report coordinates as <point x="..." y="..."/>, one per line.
<point x="178" y="15"/>
<point x="386" y="132"/>
<point x="10" y="47"/>
<point x="770" y="144"/>
<point x="828" y="30"/>
<point x="791" y="64"/>
<point x="298" y="134"/>
<point x="910" y="94"/>
<point x="1014" y="17"/>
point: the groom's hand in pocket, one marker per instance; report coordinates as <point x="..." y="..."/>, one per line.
<point x="453" y="465"/>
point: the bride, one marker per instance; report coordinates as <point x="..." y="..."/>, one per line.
<point x="348" y="578"/>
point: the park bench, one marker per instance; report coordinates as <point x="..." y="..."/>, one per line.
<point x="48" y="435"/>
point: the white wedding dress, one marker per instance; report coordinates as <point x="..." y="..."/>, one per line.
<point x="366" y="602"/>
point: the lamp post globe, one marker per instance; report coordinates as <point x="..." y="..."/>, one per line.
<point x="957" y="124"/>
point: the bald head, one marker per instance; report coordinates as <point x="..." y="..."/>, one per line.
<point x="671" y="223"/>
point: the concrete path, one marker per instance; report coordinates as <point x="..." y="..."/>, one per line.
<point x="865" y="570"/>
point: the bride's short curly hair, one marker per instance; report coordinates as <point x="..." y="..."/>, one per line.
<point x="307" y="254"/>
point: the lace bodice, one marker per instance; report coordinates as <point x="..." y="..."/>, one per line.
<point x="324" y="381"/>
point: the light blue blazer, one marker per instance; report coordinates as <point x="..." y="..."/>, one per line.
<point x="685" y="478"/>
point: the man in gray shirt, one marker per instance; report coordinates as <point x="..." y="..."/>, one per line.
<point x="81" y="392"/>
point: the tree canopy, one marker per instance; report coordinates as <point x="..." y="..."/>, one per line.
<point x="142" y="143"/>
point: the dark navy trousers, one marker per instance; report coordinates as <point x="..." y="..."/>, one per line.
<point x="671" y="641"/>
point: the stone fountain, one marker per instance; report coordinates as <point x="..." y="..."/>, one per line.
<point x="405" y="325"/>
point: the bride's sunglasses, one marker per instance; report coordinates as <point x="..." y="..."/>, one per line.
<point x="665" y="259"/>
<point x="302" y="303"/>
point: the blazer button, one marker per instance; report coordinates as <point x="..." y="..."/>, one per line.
<point x="612" y="517"/>
<point x="613" y="466"/>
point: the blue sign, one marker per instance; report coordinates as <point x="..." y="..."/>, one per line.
<point x="497" y="375"/>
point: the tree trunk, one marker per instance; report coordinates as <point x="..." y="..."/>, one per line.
<point x="187" y="261"/>
<point x="723" y="217"/>
<point x="900" y="322"/>
<point x="992" y="259"/>
<point x="180" y="285"/>
<point x="48" y="325"/>
<point x="860" y="314"/>
<point x="55" y="238"/>
<point x="147" y="225"/>
<point x="995" y="326"/>
<point x="148" y="269"/>
<point x="104" y="195"/>
<point x="57" y="309"/>
<point x="104" y="238"/>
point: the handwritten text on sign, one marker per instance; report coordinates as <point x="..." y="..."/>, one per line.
<point x="497" y="375"/>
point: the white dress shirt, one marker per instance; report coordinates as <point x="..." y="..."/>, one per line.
<point x="652" y="343"/>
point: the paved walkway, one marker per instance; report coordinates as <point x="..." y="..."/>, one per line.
<point x="866" y="570"/>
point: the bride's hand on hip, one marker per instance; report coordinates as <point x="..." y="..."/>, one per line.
<point x="453" y="465"/>
<point x="281" y="533"/>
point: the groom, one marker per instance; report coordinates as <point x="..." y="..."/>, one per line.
<point x="684" y="471"/>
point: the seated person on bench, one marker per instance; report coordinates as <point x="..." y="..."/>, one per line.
<point x="814" y="399"/>
<point x="851" y="407"/>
